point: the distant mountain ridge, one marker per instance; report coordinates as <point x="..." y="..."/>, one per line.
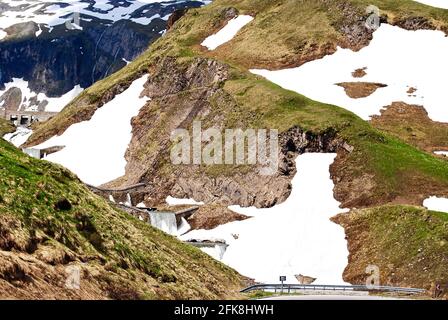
<point x="44" y="51"/>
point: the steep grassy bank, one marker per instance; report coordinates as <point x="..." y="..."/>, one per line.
<point x="50" y="221"/>
<point x="408" y="244"/>
<point x="5" y="127"/>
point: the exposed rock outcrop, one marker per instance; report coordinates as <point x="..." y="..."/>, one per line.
<point x="176" y="15"/>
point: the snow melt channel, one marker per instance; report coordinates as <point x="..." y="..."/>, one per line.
<point x="396" y="57"/>
<point x="95" y="149"/>
<point x="295" y="237"/>
<point x="227" y="33"/>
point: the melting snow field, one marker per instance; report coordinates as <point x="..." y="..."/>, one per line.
<point x="396" y="57"/>
<point x="295" y="237"/>
<point x="95" y="149"/>
<point x="51" y="13"/>
<point x="435" y="3"/>
<point x="227" y="33"/>
<point x="19" y="137"/>
<point x="436" y="204"/>
<point x="441" y="153"/>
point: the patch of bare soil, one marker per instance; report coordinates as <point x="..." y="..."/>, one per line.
<point x="412" y="124"/>
<point x="359" y="73"/>
<point x="411" y="91"/>
<point x="357" y="90"/>
<point x="211" y="216"/>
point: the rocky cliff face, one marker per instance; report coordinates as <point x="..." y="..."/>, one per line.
<point x="182" y="93"/>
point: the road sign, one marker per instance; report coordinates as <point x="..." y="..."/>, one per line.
<point x="282" y="278"/>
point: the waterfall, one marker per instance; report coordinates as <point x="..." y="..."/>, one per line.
<point x="165" y="221"/>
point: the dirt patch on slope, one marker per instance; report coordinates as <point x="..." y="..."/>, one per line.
<point x="412" y="124"/>
<point x="359" y="73"/>
<point x="357" y="90"/>
<point x="207" y="216"/>
<point x="211" y="216"/>
<point x="411" y="91"/>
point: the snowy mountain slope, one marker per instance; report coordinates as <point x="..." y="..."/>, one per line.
<point x="187" y="82"/>
<point x="55" y="49"/>
<point x="51" y="13"/>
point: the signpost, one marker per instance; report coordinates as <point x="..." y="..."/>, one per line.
<point x="282" y="279"/>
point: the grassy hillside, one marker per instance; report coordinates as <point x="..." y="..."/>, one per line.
<point x="381" y="169"/>
<point x="5" y="127"/>
<point x="408" y="244"/>
<point x="50" y="221"/>
<point x="289" y="32"/>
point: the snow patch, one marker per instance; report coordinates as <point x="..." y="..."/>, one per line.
<point x="141" y="205"/>
<point x="95" y="149"/>
<point x="441" y="153"/>
<point x="53" y="104"/>
<point x="3" y="34"/>
<point x="295" y="237"/>
<point x="436" y="204"/>
<point x="227" y="33"/>
<point x="19" y="137"/>
<point x="435" y="3"/>
<point x="176" y="201"/>
<point x="57" y="104"/>
<point x="396" y="57"/>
